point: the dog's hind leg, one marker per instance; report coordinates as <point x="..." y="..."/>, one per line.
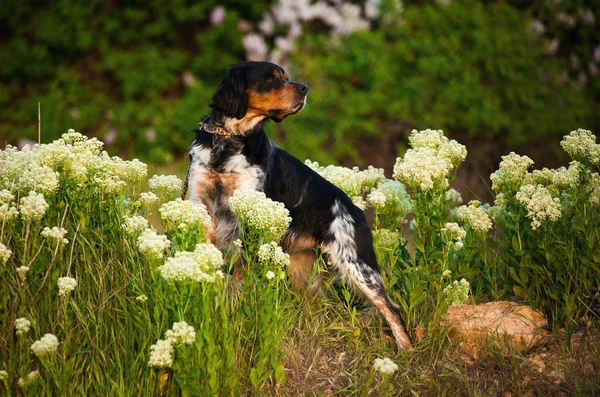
<point x="303" y="255"/>
<point x="350" y="249"/>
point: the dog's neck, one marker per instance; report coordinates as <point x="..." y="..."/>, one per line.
<point x="219" y="124"/>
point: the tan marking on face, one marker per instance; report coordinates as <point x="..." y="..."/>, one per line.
<point x="285" y="76"/>
<point x="276" y="74"/>
<point x="285" y="98"/>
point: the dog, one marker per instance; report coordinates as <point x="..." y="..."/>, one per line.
<point x="232" y="151"/>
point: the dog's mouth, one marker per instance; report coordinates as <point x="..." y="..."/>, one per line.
<point x="295" y="108"/>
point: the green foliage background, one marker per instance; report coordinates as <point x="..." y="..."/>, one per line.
<point x="475" y="69"/>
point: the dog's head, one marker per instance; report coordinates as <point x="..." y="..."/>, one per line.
<point x="258" y="90"/>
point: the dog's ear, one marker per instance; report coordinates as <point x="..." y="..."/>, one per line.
<point x="230" y="97"/>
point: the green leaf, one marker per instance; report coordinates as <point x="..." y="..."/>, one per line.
<point x="279" y="373"/>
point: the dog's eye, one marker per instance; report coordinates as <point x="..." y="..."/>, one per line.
<point x="270" y="80"/>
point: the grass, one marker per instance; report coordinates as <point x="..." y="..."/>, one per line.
<point x="264" y="338"/>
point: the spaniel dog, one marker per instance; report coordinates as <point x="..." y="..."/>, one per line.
<point x="232" y="151"/>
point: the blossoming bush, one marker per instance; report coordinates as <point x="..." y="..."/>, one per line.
<point x="549" y="220"/>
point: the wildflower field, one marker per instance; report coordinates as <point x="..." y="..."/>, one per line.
<point x="110" y="288"/>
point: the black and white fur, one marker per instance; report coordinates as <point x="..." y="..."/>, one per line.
<point x="231" y="153"/>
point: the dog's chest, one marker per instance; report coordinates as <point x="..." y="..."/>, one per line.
<point x="215" y="175"/>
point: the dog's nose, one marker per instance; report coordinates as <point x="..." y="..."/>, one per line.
<point x="303" y="88"/>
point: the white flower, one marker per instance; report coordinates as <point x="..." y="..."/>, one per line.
<point x="161" y="354"/>
<point x="22" y="325"/>
<point x="5" y="253"/>
<point x="3" y="375"/>
<point x="457" y="292"/>
<point x="397" y="201"/>
<point x="148" y="198"/>
<point x="22" y="271"/>
<point x="31" y="378"/>
<point x="377" y="199"/>
<point x="270" y="275"/>
<point x="272" y="253"/>
<point x="135" y="224"/>
<point x="453" y="232"/>
<point x="66" y="285"/>
<point x="474" y="216"/>
<point x="165" y="185"/>
<point x="56" y="233"/>
<point x="181" y="333"/>
<point x="46" y="346"/>
<point x="141" y="298"/>
<point x="260" y="214"/>
<point x="581" y="145"/>
<point x="352" y="181"/>
<point x="200" y="265"/>
<point x="7" y="210"/>
<point x="152" y="245"/>
<point x="388" y="239"/>
<point x="511" y="174"/>
<point x="454" y="196"/>
<point x="539" y="204"/>
<point x="33" y="207"/>
<point x="385" y="366"/>
<point x="423" y="169"/>
<point x="180" y="211"/>
<point x="208" y="256"/>
<point x="359" y="202"/>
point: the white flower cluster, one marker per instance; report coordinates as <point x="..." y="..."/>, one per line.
<point x="165" y="185"/>
<point x="454" y="234"/>
<point x="340" y="17"/>
<point x="30" y="379"/>
<point x="539" y="204"/>
<point x="180" y="212"/>
<point x="22" y="325"/>
<point x="377" y="199"/>
<point x="153" y="245"/>
<point x="352" y="181"/>
<point x="272" y="253"/>
<point x="511" y="174"/>
<point x="3" y="375"/>
<point x="454" y="197"/>
<point x="428" y="163"/>
<point x="33" y="207"/>
<point x="5" y="253"/>
<point x="135" y="225"/>
<point x="46" y="346"/>
<point x="561" y="178"/>
<point x="162" y="353"/>
<point x="56" y="233"/>
<point x="397" y="201"/>
<point x="66" y="285"/>
<point x="73" y="159"/>
<point x="148" y="198"/>
<point x="594" y="196"/>
<point x="474" y="216"/>
<point x="181" y="334"/>
<point x="385" y="366"/>
<point x="202" y="264"/>
<point x="581" y="146"/>
<point x="388" y="239"/>
<point x="268" y="218"/>
<point x="458" y="292"/>
<point x="7" y="209"/>
<point x="22" y="272"/>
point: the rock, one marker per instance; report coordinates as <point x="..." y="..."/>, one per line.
<point x="506" y="323"/>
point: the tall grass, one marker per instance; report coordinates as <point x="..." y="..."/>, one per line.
<point x="139" y="309"/>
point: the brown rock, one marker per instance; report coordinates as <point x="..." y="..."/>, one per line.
<point x="505" y="323"/>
